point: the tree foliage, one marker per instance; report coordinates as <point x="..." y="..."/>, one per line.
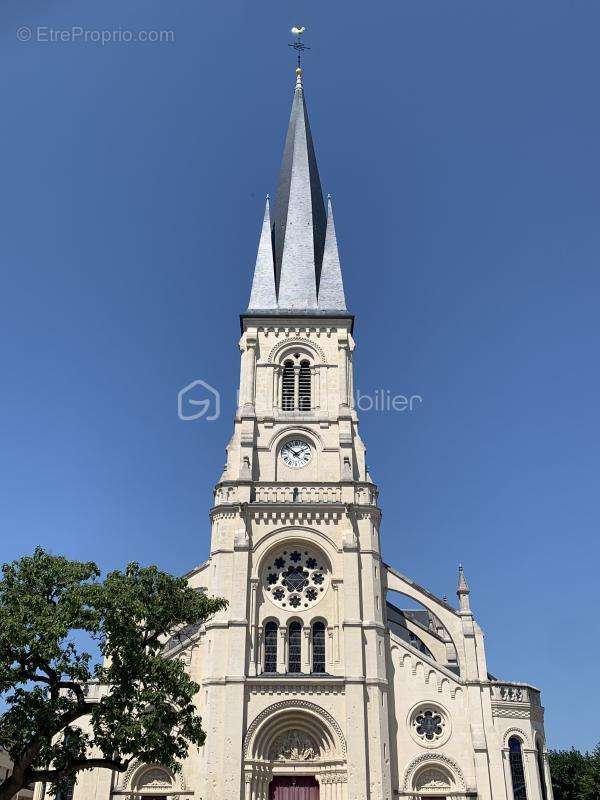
<point x="144" y="707"/>
<point x="575" y="775"/>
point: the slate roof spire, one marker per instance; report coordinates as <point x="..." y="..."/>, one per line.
<point x="298" y="267"/>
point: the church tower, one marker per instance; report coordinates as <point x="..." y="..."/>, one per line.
<point x="314" y="684"/>
<point x="295" y="525"/>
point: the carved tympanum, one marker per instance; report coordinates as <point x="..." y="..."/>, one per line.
<point x="294" y="746"/>
<point x="432" y="779"/>
<point x="155" y="779"/>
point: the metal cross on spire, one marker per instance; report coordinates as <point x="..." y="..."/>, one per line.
<point x="298" y="44"/>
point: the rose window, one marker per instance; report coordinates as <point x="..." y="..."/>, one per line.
<point x="429" y="725"/>
<point x="295" y="578"/>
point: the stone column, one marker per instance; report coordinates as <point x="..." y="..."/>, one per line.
<point x="281" y="648"/>
<point x="507" y="775"/>
<point x="251" y="370"/>
<point x="343" y="372"/>
<point x="315" y="387"/>
<point x="296" y="386"/>
<point x="306" y="650"/>
<point x="532" y="774"/>
<point x="253" y="660"/>
<point x="323" y="387"/>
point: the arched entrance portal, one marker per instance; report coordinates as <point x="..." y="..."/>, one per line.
<point x="295" y="750"/>
<point x="293" y="788"/>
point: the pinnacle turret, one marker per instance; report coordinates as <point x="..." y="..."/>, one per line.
<point x="463" y="592"/>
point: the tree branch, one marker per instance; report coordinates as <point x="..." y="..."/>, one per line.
<point x="52" y="775"/>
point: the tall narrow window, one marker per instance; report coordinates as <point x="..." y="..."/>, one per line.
<point x="540" y="760"/>
<point x="517" y="770"/>
<point x="318" y="647"/>
<point x="287" y="387"/>
<point x="304" y="398"/>
<point x="295" y="647"/>
<point x="271" y="647"/>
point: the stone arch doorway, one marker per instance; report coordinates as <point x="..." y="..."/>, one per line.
<point x="294" y="750"/>
<point x="285" y="787"/>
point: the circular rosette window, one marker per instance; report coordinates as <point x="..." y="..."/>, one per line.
<point x="429" y="725"/>
<point x="295" y="578"/>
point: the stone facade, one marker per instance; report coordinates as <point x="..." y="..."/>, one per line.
<point x="313" y="670"/>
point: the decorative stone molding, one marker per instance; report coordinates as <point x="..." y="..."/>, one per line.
<point x="295" y="689"/>
<point x="332" y="777"/>
<point x="511" y="713"/>
<point x="518" y="732"/>
<point x="150" y="776"/>
<point x="432" y="759"/>
<point x="299" y="340"/>
<point x="299" y="705"/>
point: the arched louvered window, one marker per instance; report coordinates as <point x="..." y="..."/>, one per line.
<point x="287" y="387"/>
<point x="271" y="647"/>
<point x="318" y="647"/>
<point x="295" y="647"/>
<point x="304" y="398"/>
<point x="540" y="761"/>
<point x="517" y="770"/>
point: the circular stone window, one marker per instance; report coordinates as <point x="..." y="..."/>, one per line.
<point x="295" y="578"/>
<point x="429" y="725"/>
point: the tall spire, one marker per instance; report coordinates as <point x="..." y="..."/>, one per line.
<point x="299" y="219"/>
<point x="263" y="293"/>
<point x="298" y="267"/>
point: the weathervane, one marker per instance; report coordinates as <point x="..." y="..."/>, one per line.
<point x="298" y="44"/>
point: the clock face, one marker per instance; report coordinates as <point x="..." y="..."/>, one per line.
<point x="296" y="453"/>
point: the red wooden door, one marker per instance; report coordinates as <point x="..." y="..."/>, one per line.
<point x="294" y="789"/>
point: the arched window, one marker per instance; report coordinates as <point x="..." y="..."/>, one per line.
<point x="295" y="647"/>
<point x="517" y="770"/>
<point x="540" y="761"/>
<point x="271" y="646"/>
<point x="304" y="398"/>
<point x="318" y="647"/>
<point x="287" y="387"/>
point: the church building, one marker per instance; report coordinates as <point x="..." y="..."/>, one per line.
<point x="315" y="683"/>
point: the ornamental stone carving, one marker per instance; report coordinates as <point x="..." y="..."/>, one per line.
<point x="432" y="779"/>
<point x="300" y="705"/>
<point x="294" y="746"/>
<point x="155" y="779"/>
<point x="432" y="760"/>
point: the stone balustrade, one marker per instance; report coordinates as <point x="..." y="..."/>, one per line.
<point x="515" y="693"/>
<point x="271" y="492"/>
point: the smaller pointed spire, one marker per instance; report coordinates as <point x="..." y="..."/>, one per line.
<point x="263" y="296"/>
<point x="463" y="592"/>
<point x="331" y="286"/>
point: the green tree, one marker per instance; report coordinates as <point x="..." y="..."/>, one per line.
<point x="591" y="780"/>
<point x="144" y="708"/>
<point x="568" y="769"/>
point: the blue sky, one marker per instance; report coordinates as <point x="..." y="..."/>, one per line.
<point x="460" y="142"/>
